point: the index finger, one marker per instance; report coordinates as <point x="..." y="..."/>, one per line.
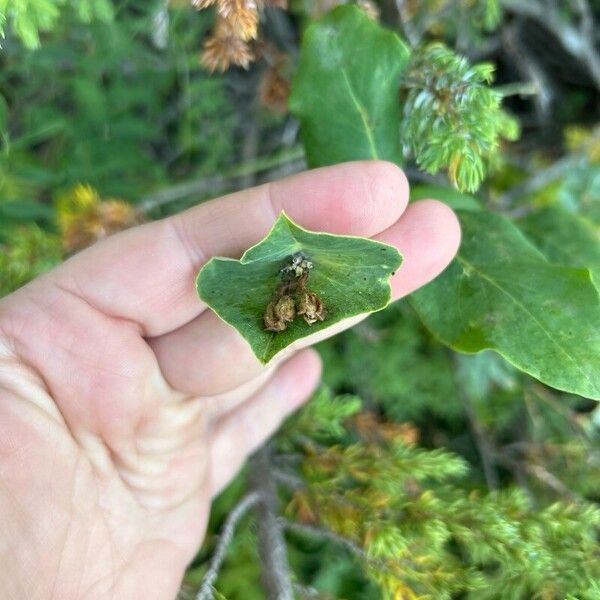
<point x="146" y="275"/>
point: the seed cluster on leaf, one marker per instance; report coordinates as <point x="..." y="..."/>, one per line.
<point x="293" y="297"/>
<point x="263" y="294"/>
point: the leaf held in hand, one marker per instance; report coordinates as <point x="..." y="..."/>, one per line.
<point x="346" y="276"/>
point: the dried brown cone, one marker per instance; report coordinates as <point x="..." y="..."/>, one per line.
<point x="225" y="48"/>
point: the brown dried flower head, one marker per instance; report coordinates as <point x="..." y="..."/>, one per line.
<point x="242" y="16"/>
<point x="225" y="48"/>
<point x="275" y="86"/>
<point x="311" y="307"/>
<point x="237" y="24"/>
<point x="84" y="217"/>
<point x="202" y="4"/>
<point x="372" y="428"/>
<point x="279" y="313"/>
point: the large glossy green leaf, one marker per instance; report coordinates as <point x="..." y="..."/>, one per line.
<point x="564" y="238"/>
<point x="453" y="198"/>
<point x="350" y="274"/>
<point x="501" y="293"/>
<point x="345" y="92"/>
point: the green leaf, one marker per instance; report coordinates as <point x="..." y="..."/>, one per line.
<point x="453" y="198"/>
<point x="3" y="114"/>
<point x="25" y="210"/>
<point x="501" y="293"/>
<point x="345" y="92"/>
<point x="350" y="274"/>
<point x="564" y="238"/>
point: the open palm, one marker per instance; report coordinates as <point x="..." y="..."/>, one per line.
<point x="125" y="404"/>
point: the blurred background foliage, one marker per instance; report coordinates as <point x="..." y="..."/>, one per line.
<point x="416" y="472"/>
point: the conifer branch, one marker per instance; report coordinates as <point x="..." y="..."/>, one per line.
<point x="288" y="480"/>
<point x="452" y="119"/>
<point x="275" y="570"/>
<point x="483" y="445"/>
<point x="326" y="534"/>
<point x="313" y="531"/>
<point x="206" y="588"/>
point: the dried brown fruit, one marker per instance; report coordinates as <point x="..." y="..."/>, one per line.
<point x="279" y="313"/>
<point x="311" y="307"/>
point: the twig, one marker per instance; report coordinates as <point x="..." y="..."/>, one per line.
<point x="275" y="570"/>
<point x="215" y="183"/>
<point x="588" y="32"/>
<point x="206" y="588"/>
<point x="288" y="480"/>
<point x="542" y="475"/>
<point x="528" y="65"/>
<point x="352" y="547"/>
<point x="517" y="88"/>
<point x="484" y="447"/>
<point x="544" y="394"/>
<point x="542" y="178"/>
<point x="160" y="29"/>
<point x="306" y="591"/>
<point x="412" y="35"/>
<point x="579" y="42"/>
<point x="313" y="531"/>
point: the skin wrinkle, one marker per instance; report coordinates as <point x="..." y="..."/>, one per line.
<point x="78" y="294"/>
<point x="194" y="253"/>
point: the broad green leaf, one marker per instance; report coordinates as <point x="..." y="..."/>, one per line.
<point x="25" y="210"/>
<point x="345" y="92"/>
<point x="501" y="293"/>
<point x="453" y="198"/>
<point x="564" y="238"/>
<point x="350" y="274"/>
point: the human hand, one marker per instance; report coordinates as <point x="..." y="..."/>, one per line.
<point x="126" y="405"/>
